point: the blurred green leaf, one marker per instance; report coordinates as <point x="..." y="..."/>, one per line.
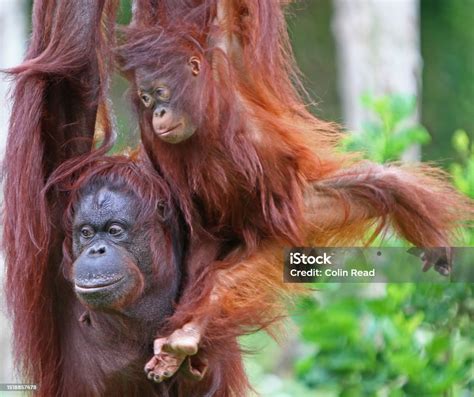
<point x="461" y="142"/>
<point x="390" y="133"/>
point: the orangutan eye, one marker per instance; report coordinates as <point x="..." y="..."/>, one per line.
<point x="146" y="99"/>
<point x="87" y="232"/>
<point x="163" y="93"/>
<point x="115" y="230"/>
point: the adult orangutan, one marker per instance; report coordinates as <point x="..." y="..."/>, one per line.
<point x="215" y="89"/>
<point x="94" y="245"/>
<point x="84" y="315"/>
<point x="118" y="282"/>
<point x="119" y="279"/>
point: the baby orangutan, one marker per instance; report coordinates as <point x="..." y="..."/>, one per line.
<point x="221" y="120"/>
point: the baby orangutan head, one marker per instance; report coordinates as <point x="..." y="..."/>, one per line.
<point x="169" y="118"/>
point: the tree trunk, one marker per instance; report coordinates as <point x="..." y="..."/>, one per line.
<point x="379" y="53"/>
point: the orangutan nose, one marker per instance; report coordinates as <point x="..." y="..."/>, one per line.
<point x="161" y="113"/>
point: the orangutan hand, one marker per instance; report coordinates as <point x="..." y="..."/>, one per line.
<point x="439" y="258"/>
<point x="172" y="351"/>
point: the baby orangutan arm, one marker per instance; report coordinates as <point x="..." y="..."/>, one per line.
<point x="243" y="295"/>
<point x="418" y="202"/>
<point x="340" y="209"/>
<point x="172" y="351"/>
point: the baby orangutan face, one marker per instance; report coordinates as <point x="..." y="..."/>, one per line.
<point x="170" y="122"/>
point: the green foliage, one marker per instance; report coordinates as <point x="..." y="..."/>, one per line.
<point x="407" y="340"/>
<point x="309" y="26"/>
<point x="389" y="134"/>
<point x="463" y="171"/>
<point x="125" y="12"/>
<point x="270" y="371"/>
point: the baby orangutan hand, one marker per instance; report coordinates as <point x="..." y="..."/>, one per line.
<point x="440" y="258"/>
<point x="170" y="353"/>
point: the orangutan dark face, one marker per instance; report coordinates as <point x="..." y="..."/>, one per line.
<point x="111" y="257"/>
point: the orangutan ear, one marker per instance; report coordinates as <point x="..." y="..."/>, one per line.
<point x="195" y="65"/>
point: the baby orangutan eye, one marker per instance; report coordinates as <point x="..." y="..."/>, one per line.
<point x="146" y="99"/>
<point x="163" y="93"/>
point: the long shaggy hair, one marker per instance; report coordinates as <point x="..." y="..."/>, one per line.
<point x="58" y="92"/>
<point x="261" y="171"/>
<point x="255" y="176"/>
<point x="260" y="161"/>
<point x="248" y="163"/>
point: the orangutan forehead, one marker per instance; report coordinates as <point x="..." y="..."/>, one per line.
<point x="146" y="75"/>
<point x="106" y="204"/>
<point x="148" y="78"/>
<point x="149" y="84"/>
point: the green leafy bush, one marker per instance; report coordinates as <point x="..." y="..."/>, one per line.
<point x="408" y="340"/>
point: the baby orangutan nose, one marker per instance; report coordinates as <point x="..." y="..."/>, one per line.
<point x="164" y="120"/>
<point x="161" y="114"/>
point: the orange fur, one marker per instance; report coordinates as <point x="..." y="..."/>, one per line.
<point x="261" y="171"/>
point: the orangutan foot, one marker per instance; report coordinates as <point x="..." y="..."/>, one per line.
<point x="172" y="351"/>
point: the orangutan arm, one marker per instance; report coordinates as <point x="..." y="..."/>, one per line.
<point x="418" y="202"/>
<point x="340" y="210"/>
<point x="242" y="295"/>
